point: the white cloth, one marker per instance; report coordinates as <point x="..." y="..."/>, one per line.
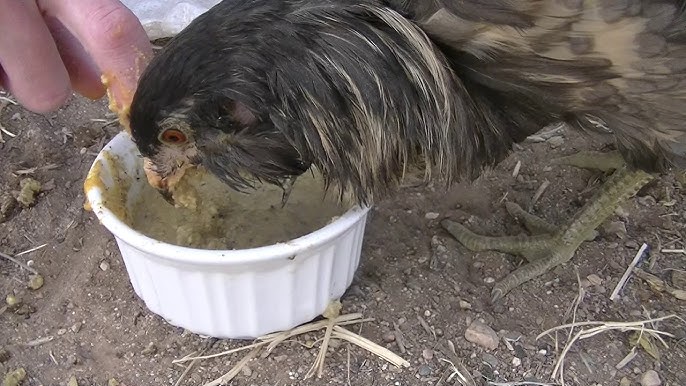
<point x="165" y="18"/>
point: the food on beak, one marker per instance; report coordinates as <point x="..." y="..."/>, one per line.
<point x="157" y="182"/>
<point x="154" y="179"/>
<point x="171" y="186"/>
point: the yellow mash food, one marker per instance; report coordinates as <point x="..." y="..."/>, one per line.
<point x="210" y="215"/>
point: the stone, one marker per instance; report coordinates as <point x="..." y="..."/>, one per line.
<point x="465" y="305"/>
<point x="490" y="360"/>
<point x="389" y="337"/>
<point x="482" y="335"/>
<point x="650" y="378"/>
<point x="594" y="279"/>
<point x="424" y="371"/>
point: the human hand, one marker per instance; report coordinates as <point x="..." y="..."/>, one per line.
<point x="50" y="47"/>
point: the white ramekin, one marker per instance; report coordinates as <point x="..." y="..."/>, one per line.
<point x="226" y="293"/>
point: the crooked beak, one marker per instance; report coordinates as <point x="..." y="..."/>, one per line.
<point x="156" y="181"/>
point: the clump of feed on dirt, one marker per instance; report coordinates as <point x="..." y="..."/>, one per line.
<point x="14" y="378"/>
<point x="28" y="192"/>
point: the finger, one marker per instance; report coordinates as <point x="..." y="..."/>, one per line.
<point x="83" y="73"/>
<point x="113" y="37"/>
<point x="33" y="70"/>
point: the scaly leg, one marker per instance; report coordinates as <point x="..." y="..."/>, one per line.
<point x="557" y="245"/>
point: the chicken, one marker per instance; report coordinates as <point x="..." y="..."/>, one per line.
<point x="262" y="90"/>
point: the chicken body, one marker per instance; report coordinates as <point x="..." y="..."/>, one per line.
<point x="264" y="89"/>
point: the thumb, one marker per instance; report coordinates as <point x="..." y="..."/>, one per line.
<point x="112" y="36"/>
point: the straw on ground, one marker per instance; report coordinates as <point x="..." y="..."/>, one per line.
<point x="333" y="325"/>
<point x="598" y="327"/>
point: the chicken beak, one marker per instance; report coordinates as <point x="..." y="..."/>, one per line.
<point x="157" y="181"/>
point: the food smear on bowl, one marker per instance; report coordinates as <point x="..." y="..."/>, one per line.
<point x="209" y="215"/>
<point x="114" y="196"/>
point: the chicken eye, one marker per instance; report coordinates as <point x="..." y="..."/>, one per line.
<point x="173" y="136"/>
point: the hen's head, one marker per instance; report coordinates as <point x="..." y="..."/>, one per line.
<point x="202" y="101"/>
<point x="209" y="129"/>
<point x="263" y="89"/>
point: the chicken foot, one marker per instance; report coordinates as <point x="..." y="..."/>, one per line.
<point x="549" y="245"/>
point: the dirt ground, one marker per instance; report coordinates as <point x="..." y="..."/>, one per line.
<point x="421" y="287"/>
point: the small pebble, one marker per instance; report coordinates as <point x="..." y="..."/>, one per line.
<point x="543" y="352"/>
<point x="424" y="370"/>
<point x="465" y="305"/>
<point x="519" y="351"/>
<point x="150" y="349"/>
<point x="104" y="265"/>
<point x="431" y="215"/>
<point x="489" y="280"/>
<point x="516" y="362"/>
<point x="72" y="381"/>
<point x="112" y="382"/>
<point x="389" y="337"/>
<point x="72" y="359"/>
<point x="556" y="141"/>
<point x="625" y="381"/>
<point x="280" y="358"/>
<point x="594" y="279"/>
<point x="650" y="378"/>
<point x="246" y="371"/>
<point x="482" y="335"/>
<point x="490" y="360"/>
<point x="428" y="354"/>
<point x="61" y="331"/>
<point x="75" y="327"/>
